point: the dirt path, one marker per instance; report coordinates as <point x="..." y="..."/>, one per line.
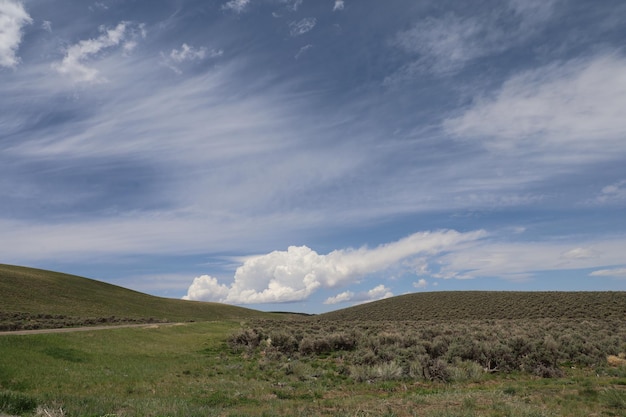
<point x="87" y="329"/>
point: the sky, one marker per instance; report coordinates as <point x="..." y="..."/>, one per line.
<point x="311" y="155"/>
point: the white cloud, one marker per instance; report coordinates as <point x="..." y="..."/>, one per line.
<point x="46" y="25"/>
<point x="188" y="53"/>
<point x="303" y="50"/>
<point x="422" y="283"/>
<point x="98" y="6"/>
<point x="295" y="274"/>
<point x="613" y="193"/>
<point x="445" y="44"/>
<point x="303" y="26"/>
<point x="293" y="4"/>
<point x="520" y="261"/>
<point x="206" y="288"/>
<point x="13" y="18"/>
<point x="560" y="113"/>
<point x="339" y="5"/>
<point x="237" y="6"/>
<point x="580" y="253"/>
<point x="73" y="64"/>
<point x="615" y="273"/>
<point x="340" y="298"/>
<point x="378" y="293"/>
<point x="533" y="12"/>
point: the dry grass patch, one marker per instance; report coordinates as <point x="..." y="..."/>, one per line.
<point x="616" y="361"/>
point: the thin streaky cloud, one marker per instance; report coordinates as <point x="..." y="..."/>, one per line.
<point x="613" y="273"/>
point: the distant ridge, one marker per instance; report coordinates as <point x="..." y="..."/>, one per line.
<point x="35" y="298"/>
<point x="455" y="305"/>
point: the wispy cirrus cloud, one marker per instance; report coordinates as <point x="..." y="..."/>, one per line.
<point x="13" y="17"/>
<point x="561" y="113"/>
<point x="302" y="26"/>
<point x="188" y="53"/>
<point x="520" y="261"/>
<point x="75" y="62"/>
<point x="444" y="45"/>
<point x="339" y="5"/>
<point x="612" y="273"/>
<point x="237" y="6"/>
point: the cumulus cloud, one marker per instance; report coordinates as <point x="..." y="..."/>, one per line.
<point x="237" y="6"/>
<point x="295" y="274"/>
<point x="422" y="283"/>
<point x="74" y="62"/>
<point x="13" y="17"/>
<point x="303" y="26"/>
<point x="46" y="25"/>
<point x="339" y="5"/>
<point x="557" y="113"/>
<point x="206" y="288"/>
<point x="340" y="298"/>
<point x="614" y="273"/>
<point x="378" y="293"/>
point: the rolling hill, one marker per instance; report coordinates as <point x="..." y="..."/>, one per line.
<point x="485" y="305"/>
<point x="38" y="298"/>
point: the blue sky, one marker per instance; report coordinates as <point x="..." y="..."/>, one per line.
<point x="309" y="155"/>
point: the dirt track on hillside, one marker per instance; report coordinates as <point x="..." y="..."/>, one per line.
<point x="86" y="329"/>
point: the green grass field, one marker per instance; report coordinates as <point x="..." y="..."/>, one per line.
<point x="190" y="370"/>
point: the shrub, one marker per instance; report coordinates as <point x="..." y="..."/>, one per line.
<point x="16" y="403"/>
<point x="384" y="372"/>
<point x="244" y="339"/>
<point x="389" y="371"/>
<point x="283" y="341"/>
<point x="430" y="370"/>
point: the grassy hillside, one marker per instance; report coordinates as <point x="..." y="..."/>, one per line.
<point x="38" y="296"/>
<point x="482" y="305"/>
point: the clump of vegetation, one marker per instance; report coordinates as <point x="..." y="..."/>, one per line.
<point x="16" y="403"/>
<point x="10" y="321"/>
<point x="437" y="350"/>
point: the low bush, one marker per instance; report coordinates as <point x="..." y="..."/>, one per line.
<point x="16" y="403"/>
<point x="438" y="350"/>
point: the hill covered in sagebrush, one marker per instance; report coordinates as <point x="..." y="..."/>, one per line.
<point x="486" y="305"/>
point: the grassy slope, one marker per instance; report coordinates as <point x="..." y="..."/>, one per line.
<point x="489" y="305"/>
<point x="35" y="291"/>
